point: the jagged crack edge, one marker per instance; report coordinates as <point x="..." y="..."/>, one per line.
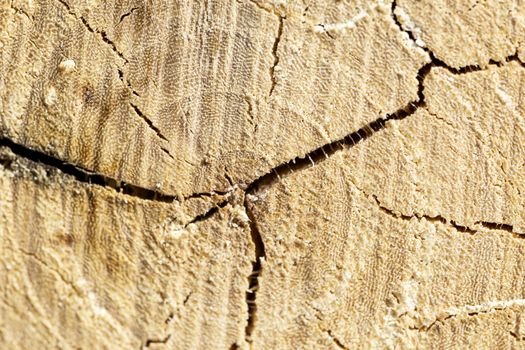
<point x="85" y="176"/>
<point x="253" y="277"/>
<point x="326" y="151"/>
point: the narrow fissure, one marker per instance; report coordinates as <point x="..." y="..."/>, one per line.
<point x="336" y="341"/>
<point x="102" y="34"/>
<point x="253" y="278"/>
<point x="148" y="121"/>
<point x="207" y="215"/>
<point x="274" y="53"/>
<point x="127" y="14"/>
<point x="437" y="218"/>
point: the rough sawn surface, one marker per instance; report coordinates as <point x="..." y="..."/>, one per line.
<point x="262" y="174"/>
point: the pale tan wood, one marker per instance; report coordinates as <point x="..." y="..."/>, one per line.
<point x="86" y="267"/>
<point x="185" y="174"/>
<point x="466" y="33"/>
<point x="183" y="97"/>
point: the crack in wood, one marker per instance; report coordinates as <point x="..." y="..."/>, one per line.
<point x="440" y="63"/>
<point x="156" y="341"/>
<point x="85" y="176"/>
<point x="275" y="55"/>
<point x="253" y="277"/>
<point x="103" y="35"/>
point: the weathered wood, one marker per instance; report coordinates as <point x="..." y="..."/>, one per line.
<point x="186" y="97"/>
<point x="262" y="174"/>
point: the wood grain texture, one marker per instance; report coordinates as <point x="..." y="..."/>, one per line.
<point x="262" y="174"/>
<point x="344" y="271"/>
<point x="199" y="97"/>
<point x="461" y="158"/>
<point x="466" y="33"/>
<point x="86" y="267"/>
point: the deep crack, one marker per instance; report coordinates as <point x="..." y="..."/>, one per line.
<point x="85" y="176"/>
<point x="253" y="278"/>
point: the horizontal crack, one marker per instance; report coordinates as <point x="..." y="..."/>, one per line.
<point x="439" y="218"/>
<point x="473" y="310"/>
<point x="496" y="226"/>
<point x="149" y="342"/>
<point x="82" y="175"/>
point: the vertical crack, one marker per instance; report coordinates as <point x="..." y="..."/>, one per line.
<point x="253" y="278"/>
<point x="274" y="53"/>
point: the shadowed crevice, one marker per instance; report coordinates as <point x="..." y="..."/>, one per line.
<point x="85" y="176"/>
<point x="253" y="278"/>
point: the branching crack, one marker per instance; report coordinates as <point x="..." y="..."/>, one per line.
<point x="275" y="55"/>
<point x="439" y="63"/>
<point x="324" y="152"/>
<point x="257" y="266"/>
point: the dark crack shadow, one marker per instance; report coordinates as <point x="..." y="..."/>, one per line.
<point x="253" y="278"/>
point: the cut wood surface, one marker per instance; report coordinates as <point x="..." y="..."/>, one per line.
<point x="262" y="174"/>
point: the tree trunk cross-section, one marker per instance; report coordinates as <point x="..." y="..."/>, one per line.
<point x="262" y="174"/>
